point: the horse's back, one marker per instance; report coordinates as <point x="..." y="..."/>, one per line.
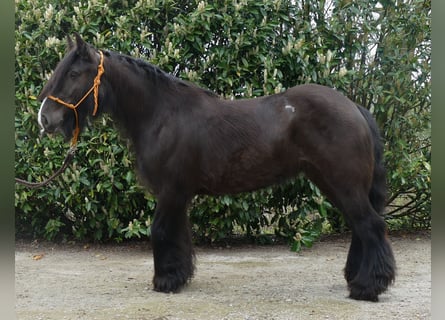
<point x="322" y="101"/>
<point x="258" y="142"/>
<point x="322" y="112"/>
<point x="332" y="136"/>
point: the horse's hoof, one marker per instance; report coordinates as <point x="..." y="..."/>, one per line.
<point x="365" y="292"/>
<point x="363" y="295"/>
<point x="168" y="284"/>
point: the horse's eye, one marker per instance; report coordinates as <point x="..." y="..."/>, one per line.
<point x="74" y="74"/>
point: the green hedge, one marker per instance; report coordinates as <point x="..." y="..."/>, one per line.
<point x="378" y="55"/>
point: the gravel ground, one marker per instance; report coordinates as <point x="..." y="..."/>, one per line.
<point x="78" y="281"/>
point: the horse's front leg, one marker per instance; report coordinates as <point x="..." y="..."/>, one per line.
<point x="172" y="244"/>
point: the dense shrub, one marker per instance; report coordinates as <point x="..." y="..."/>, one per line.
<point x="377" y="54"/>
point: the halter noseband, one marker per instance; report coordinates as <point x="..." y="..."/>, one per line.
<point x="95" y="88"/>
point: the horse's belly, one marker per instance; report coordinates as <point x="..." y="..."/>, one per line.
<point x="248" y="176"/>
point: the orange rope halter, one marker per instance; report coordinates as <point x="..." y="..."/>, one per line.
<point x="95" y="88"/>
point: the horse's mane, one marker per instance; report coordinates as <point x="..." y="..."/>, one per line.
<point x="155" y="74"/>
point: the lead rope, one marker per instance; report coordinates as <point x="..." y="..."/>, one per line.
<point x="72" y="150"/>
<point x="69" y="157"/>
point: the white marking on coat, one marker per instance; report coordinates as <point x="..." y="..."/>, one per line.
<point x="289" y="107"/>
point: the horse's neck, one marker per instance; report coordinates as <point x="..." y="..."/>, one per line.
<point x="131" y="89"/>
<point x="136" y="98"/>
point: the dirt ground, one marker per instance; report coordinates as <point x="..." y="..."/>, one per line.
<point x="242" y="282"/>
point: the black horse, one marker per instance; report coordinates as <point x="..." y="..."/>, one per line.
<point x="189" y="141"/>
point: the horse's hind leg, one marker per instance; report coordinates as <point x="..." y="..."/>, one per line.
<point x="370" y="266"/>
<point x="172" y="245"/>
<point x="354" y="258"/>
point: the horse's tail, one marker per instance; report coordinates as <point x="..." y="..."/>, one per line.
<point x="378" y="192"/>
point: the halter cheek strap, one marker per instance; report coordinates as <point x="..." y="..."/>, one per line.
<point x="94" y="88"/>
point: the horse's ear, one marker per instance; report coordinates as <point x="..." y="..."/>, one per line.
<point x="70" y="43"/>
<point x="82" y="47"/>
<point x="79" y="39"/>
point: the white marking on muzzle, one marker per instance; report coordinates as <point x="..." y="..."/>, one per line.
<point x="39" y="116"/>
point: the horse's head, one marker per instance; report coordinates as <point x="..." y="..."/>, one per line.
<point x="72" y="92"/>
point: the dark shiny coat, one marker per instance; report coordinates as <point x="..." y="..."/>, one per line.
<point x="189" y="141"/>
